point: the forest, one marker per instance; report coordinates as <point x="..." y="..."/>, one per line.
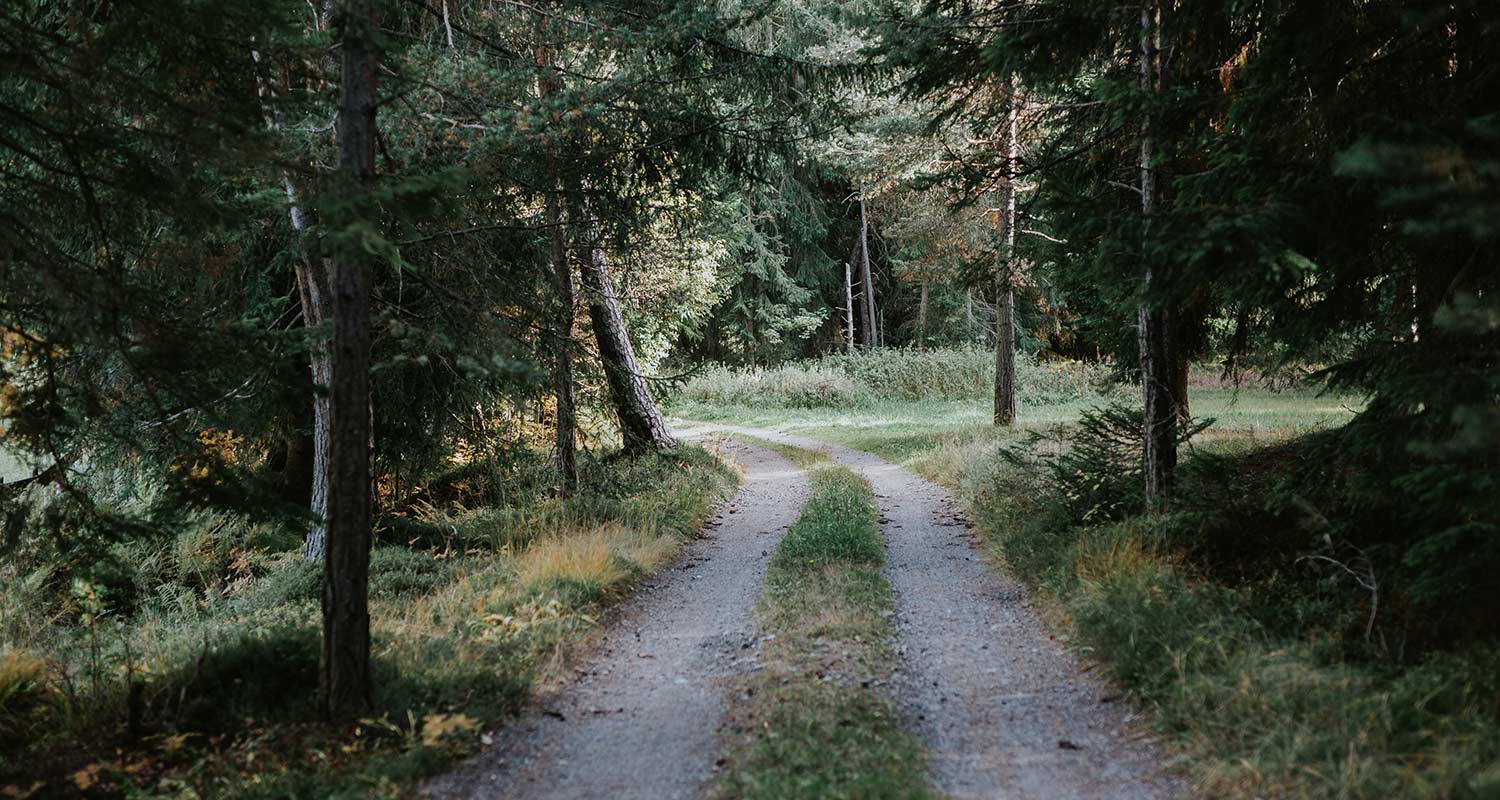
<point x="750" y="398"/>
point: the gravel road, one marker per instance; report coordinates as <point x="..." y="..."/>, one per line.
<point x="641" y="719"/>
<point x="1005" y="711"/>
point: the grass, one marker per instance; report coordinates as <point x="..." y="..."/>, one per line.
<point x="1258" y="673"/>
<point x="203" y="684"/>
<point x="815" y="722"/>
<point x="911" y="431"/>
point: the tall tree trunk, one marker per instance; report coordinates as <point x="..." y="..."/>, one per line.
<point x="562" y="316"/>
<point x="1158" y="363"/>
<point x="922" y="314"/>
<point x="562" y="378"/>
<point x="346" y="687"/>
<point x="641" y="423"/>
<point x="1005" y="301"/>
<point x="1180" y="385"/>
<point x="848" y="307"/>
<point x="971" y="323"/>
<point x="865" y="277"/>
<point x="315" y="299"/>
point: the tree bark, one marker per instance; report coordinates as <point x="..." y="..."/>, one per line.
<point x="317" y="308"/>
<point x="1158" y="362"/>
<point x="345" y="679"/>
<point x="641" y="423"/>
<point x="865" y="277"/>
<point x="1180" y="385"/>
<point x="848" y="307"/>
<point x="562" y="316"/>
<point x="316" y="303"/>
<point x="1005" y="302"/>
<point x="922" y="314"/>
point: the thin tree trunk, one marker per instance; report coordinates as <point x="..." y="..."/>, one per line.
<point x="447" y="25"/>
<point x="315" y="299"/>
<point x="922" y="314"/>
<point x="1180" y="385"/>
<point x="346" y="686"/>
<point x="848" y="307"/>
<point x="317" y="308"/>
<point x="1005" y="301"/>
<point x="865" y="277"/>
<point x="971" y="323"/>
<point x="641" y="423"/>
<point x="1159" y="434"/>
<point x="562" y="318"/>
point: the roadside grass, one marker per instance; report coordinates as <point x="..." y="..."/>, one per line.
<point x="816" y="722"/>
<point x="1258" y="672"/>
<point x="207" y="687"/>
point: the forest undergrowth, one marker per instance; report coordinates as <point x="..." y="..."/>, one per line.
<point x="185" y="671"/>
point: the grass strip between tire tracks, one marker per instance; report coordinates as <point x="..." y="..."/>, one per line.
<point x="816" y="721"/>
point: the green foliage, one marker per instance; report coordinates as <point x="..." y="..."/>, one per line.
<point x="1095" y="467"/>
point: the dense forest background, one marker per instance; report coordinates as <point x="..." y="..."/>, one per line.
<point x="280" y="279"/>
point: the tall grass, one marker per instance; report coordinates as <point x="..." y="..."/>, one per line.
<point x="851" y="380"/>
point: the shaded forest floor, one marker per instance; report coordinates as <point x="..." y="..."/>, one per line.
<point x="189" y="673"/>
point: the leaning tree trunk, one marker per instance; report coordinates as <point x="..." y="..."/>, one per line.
<point x="865" y="277"/>
<point x="1005" y="302"/>
<point x="345" y="679"/>
<point x="641" y="423"/>
<point x="562" y="305"/>
<point x="1158" y="362"/>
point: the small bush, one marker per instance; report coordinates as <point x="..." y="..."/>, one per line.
<point x="400" y="572"/>
<point x="268" y="674"/>
<point x="24" y="696"/>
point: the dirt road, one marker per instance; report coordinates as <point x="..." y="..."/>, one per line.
<point x="642" y="718"/>
<point x="1005" y="711"/>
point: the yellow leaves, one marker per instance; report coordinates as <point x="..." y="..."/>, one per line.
<point x="173" y="743"/>
<point x="19" y="793"/>
<point x="436" y="727"/>
<point x="87" y="777"/>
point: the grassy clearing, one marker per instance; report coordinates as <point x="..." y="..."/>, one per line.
<point x="204" y="685"/>
<point x="1252" y="657"/>
<point x="917" y="432"/>
<point x="860" y="379"/>
<point x="815" y="722"/>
